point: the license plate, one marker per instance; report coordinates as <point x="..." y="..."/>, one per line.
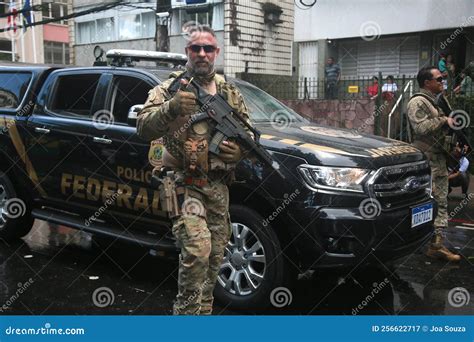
<point x="421" y="214"/>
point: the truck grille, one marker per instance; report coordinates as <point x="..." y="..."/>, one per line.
<point x="401" y="185"/>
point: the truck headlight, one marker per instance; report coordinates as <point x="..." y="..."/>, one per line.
<point x="334" y="178"/>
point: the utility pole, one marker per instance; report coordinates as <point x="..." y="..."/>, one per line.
<point x="162" y="37"/>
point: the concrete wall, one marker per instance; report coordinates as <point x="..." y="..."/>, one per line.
<point x="352" y="114"/>
<point x="250" y="42"/>
<point x="337" y="19"/>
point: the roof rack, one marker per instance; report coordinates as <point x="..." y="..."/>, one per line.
<point x="124" y="57"/>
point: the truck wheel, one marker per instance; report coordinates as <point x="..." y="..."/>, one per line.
<point x="253" y="264"/>
<point x="15" y="215"/>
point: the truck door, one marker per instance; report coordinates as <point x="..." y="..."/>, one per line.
<point x="58" y="131"/>
<point x="121" y="154"/>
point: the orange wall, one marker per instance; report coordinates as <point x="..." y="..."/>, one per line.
<point x="56" y="33"/>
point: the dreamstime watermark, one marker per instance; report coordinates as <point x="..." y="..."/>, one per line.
<point x="370" y="30"/>
<point x="377" y="287"/>
<point x="102" y="119"/>
<point x="13" y="33"/>
<point x="103" y="297"/>
<point x="461" y="119"/>
<point x="14" y="208"/>
<point x="192" y="207"/>
<point x="46" y="330"/>
<point x="444" y="44"/>
<point x="22" y="112"/>
<point x="21" y="288"/>
<point x="280" y="297"/>
<point x="370" y="208"/>
<point x="192" y="119"/>
<point x="280" y="120"/>
<point x="287" y="200"/>
<point x="464" y="202"/>
<point x="458" y="297"/>
<point x="192" y="297"/>
<point x="108" y="202"/>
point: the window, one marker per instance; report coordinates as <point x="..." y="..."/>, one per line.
<point x="181" y="17"/>
<point x="13" y="87"/>
<point x="4" y="7"/>
<point x="137" y="26"/>
<point x="125" y="27"/>
<point x="126" y="92"/>
<point x="129" y="27"/>
<point x="74" y="95"/>
<point x="56" y="53"/>
<point x="86" y="32"/>
<point x="212" y="16"/>
<point x="6" y="46"/>
<point x="56" y="10"/>
<point x="105" y="30"/>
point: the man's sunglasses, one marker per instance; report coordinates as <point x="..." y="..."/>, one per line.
<point x="207" y="48"/>
<point x="438" y="79"/>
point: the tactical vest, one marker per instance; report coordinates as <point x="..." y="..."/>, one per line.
<point x="188" y="142"/>
<point x="428" y="143"/>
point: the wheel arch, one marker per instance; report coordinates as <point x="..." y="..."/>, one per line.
<point x="255" y="200"/>
<point x="17" y="174"/>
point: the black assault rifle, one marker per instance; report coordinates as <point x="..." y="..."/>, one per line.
<point x="227" y="124"/>
<point x="460" y="133"/>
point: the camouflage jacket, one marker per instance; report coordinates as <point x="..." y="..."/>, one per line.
<point x="428" y="123"/>
<point x="157" y="121"/>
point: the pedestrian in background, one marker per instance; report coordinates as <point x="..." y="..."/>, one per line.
<point x="389" y="88"/>
<point x="333" y="75"/>
<point x="459" y="175"/>
<point x="466" y="87"/>
<point x="373" y="89"/>
<point x="443" y="68"/>
<point x="451" y="68"/>
<point x="429" y="124"/>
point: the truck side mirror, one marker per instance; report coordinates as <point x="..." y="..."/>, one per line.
<point x="133" y="114"/>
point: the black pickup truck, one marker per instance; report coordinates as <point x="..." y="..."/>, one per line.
<point x="69" y="154"/>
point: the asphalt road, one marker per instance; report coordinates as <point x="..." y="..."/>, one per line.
<point x="58" y="270"/>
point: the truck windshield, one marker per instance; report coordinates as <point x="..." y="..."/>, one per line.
<point x="264" y="107"/>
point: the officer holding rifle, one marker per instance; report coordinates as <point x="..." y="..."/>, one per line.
<point x="193" y="181"/>
<point x="430" y="124"/>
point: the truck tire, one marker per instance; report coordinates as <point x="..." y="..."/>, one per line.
<point x="254" y="265"/>
<point x="15" y="214"/>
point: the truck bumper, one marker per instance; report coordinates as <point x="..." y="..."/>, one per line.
<point x="343" y="237"/>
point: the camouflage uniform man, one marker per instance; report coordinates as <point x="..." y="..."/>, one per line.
<point x="429" y="125"/>
<point x="202" y="228"/>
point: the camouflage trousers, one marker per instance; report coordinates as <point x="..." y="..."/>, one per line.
<point x="439" y="174"/>
<point x="202" y="237"/>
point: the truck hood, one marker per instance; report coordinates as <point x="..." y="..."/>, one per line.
<point x="322" y="145"/>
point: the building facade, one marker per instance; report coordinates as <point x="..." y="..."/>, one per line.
<point x="48" y="43"/>
<point x="122" y="27"/>
<point x="255" y="36"/>
<point x="393" y="37"/>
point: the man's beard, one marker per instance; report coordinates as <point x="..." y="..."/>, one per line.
<point x="202" y="69"/>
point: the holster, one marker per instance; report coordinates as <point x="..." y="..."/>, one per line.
<point x="168" y="194"/>
<point x="175" y="197"/>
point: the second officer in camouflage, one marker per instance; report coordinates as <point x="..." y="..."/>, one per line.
<point x="199" y="203"/>
<point x="430" y="127"/>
